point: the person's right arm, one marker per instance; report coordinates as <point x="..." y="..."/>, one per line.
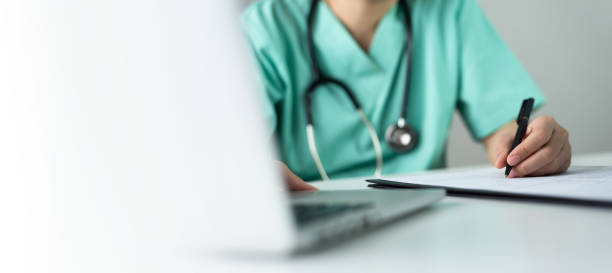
<point x="273" y="88"/>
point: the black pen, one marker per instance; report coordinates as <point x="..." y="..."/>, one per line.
<point x="522" y="120"/>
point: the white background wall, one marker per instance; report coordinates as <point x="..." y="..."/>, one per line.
<point x="567" y="48"/>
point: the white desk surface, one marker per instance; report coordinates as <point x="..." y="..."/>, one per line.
<point x="465" y="234"/>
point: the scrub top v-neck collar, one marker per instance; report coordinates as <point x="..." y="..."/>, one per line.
<point x="340" y="56"/>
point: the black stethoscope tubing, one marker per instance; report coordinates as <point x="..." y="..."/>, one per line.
<point x="401" y="137"/>
<point x="321" y="79"/>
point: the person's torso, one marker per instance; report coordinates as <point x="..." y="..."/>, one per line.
<point x="377" y="78"/>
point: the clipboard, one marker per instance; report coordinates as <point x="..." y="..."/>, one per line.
<point x="586" y="185"/>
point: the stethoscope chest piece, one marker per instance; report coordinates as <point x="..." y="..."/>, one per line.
<point x="401" y="137"/>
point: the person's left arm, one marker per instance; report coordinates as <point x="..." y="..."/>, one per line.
<point x="545" y="150"/>
<point x="492" y="86"/>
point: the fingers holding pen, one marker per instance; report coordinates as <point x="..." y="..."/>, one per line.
<point x="539" y="133"/>
<point x="560" y="164"/>
<point x="542" y="159"/>
<point x="545" y="150"/>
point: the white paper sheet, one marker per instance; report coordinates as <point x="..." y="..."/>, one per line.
<point x="578" y="183"/>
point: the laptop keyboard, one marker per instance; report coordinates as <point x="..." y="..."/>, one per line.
<point x="307" y="213"/>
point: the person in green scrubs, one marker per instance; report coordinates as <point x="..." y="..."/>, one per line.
<point x="458" y="62"/>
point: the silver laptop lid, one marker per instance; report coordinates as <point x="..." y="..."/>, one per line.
<point x="133" y="126"/>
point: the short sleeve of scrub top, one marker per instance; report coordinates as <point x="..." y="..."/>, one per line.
<point x="458" y="63"/>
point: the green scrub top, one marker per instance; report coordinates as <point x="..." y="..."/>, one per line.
<point x="458" y="62"/>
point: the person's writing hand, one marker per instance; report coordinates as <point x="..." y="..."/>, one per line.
<point x="545" y="149"/>
<point x="294" y="183"/>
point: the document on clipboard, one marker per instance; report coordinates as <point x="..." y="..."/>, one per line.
<point x="590" y="184"/>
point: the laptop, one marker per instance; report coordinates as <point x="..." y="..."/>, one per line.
<point x="137" y="129"/>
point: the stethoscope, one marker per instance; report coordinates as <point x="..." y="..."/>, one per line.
<point x="400" y="136"/>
